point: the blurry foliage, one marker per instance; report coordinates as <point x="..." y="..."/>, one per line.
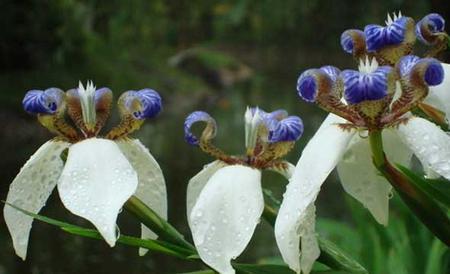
<point x="127" y="45"/>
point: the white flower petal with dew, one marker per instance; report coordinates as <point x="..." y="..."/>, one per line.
<point x="429" y="143"/>
<point x="198" y="182"/>
<point x="319" y="158"/>
<point x="30" y="191"/>
<point x="225" y="215"/>
<point x="95" y="183"/>
<point x="362" y="180"/>
<point x="439" y="96"/>
<point x="151" y="187"/>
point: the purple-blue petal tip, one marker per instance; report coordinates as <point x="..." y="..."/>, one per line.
<point x="43" y="101"/>
<point x="307" y="86"/>
<point x="151" y="103"/>
<point x="434" y="73"/>
<point x="289" y="129"/>
<point x="359" y="87"/>
<point x="347" y="42"/>
<point x="378" y="36"/>
<point x="430" y="24"/>
<point x="191" y="119"/>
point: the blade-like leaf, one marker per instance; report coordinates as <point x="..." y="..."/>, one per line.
<point x="439" y="189"/>
<point x="199" y="272"/>
<point x="152" y="245"/>
<point x="332" y="256"/>
<point x="262" y="269"/>
<point x="155" y="223"/>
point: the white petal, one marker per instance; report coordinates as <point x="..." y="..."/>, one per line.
<point x="151" y="188"/>
<point x="225" y="215"/>
<point x="198" y="182"/>
<point x="439" y="96"/>
<point x="30" y="190"/>
<point x="318" y="159"/>
<point x="361" y="179"/>
<point x="95" y="183"/>
<point x="429" y="143"/>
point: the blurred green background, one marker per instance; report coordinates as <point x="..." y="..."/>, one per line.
<point x="218" y="56"/>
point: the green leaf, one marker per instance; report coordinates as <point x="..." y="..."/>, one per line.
<point x="262" y="269"/>
<point x="199" y="272"/>
<point x="435" y="258"/>
<point x="151" y="245"/>
<point x="156" y="224"/>
<point x="437" y="189"/>
<point x="330" y="254"/>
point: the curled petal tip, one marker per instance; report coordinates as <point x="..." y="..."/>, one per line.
<point x="289" y="129"/>
<point x="434" y="73"/>
<point x="43" y="101"/>
<point x="430" y="69"/>
<point x="194" y="117"/>
<point x="428" y="26"/>
<point x="352" y="39"/>
<point x="312" y="81"/>
<point x="307" y="85"/>
<point x="142" y="104"/>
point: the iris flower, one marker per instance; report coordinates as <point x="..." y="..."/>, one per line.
<point x="101" y="171"/>
<point x="390" y="83"/>
<point x="225" y="199"/>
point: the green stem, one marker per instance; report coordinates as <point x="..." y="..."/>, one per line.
<point x="155" y="223"/>
<point x="426" y="209"/>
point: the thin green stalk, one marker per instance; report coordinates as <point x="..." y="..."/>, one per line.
<point x="154" y="222"/>
<point x="426" y="209"/>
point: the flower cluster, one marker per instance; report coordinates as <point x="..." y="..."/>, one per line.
<point x="101" y="172"/>
<point x="390" y="83"/>
<point x="97" y="171"/>
<point x="222" y="219"/>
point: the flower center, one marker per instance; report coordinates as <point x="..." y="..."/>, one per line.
<point x="87" y="101"/>
<point x="392" y="19"/>
<point x="367" y="66"/>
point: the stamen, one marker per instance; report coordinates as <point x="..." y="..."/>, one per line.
<point x="389" y="20"/>
<point x="367" y="66"/>
<point x="87" y="100"/>
<point x="253" y="119"/>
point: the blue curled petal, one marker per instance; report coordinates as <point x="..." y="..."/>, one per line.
<point x="347" y="42"/>
<point x="289" y="129"/>
<point x="359" y="87"/>
<point x="432" y="23"/>
<point x="332" y="72"/>
<point x="151" y="103"/>
<point x="434" y="72"/>
<point x="43" y="102"/>
<point x="378" y="37"/>
<point x="406" y="63"/>
<point x="194" y="117"/>
<point x="307" y="86"/>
